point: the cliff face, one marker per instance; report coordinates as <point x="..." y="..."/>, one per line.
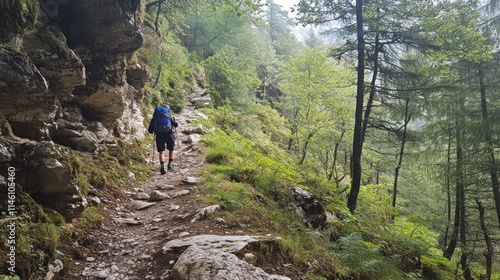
<point x="68" y="78"/>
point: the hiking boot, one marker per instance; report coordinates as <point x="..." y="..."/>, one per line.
<point x="170" y="166"/>
<point x="162" y="169"/>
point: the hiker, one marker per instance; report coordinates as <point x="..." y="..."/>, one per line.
<point x="162" y="124"/>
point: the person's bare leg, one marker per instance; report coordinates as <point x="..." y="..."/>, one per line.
<point x="162" y="161"/>
<point x="170" y="159"/>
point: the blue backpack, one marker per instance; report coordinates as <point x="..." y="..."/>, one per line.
<point x="162" y="120"/>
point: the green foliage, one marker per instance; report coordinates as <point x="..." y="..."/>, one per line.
<point x="249" y="165"/>
<point x="364" y="259"/>
<point x="375" y="202"/>
<point x="250" y="180"/>
<point x="317" y="101"/>
<point x="168" y="65"/>
<point x="208" y="30"/>
<point x="231" y="77"/>
<point x="91" y="219"/>
<point x="435" y="266"/>
<point x="223" y="117"/>
<point x="279" y="30"/>
<point x="455" y="33"/>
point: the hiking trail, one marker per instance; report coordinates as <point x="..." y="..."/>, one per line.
<point x="132" y="241"/>
<point x="128" y="244"/>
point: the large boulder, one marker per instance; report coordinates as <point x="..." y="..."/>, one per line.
<point x="197" y="263"/>
<point x="43" y="171"/>
<point x="77" y="133"/>
<point x="107" y="103"/>
<point x="309" y="208"/>
<point x="116" y="108"/>
<point x="30" y="117"/>
<point x="215" y="257"/>
<point x="79" y="60"/>
<point x="51" y="181"/>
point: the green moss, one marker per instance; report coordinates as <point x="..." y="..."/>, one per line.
<point x="18" y="15"/>
<point x="38" y="238"/>
<point x="91" y="219"/>
<point x="5" y="128"/>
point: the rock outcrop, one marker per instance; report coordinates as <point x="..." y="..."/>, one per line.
<point x="66" y="81"/>
<point x="68" y="78"/>
<point x="45" y="173"/>
<point x="214" y="257"/>
<point x="309" y="208"/>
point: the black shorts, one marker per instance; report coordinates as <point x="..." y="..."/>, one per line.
<point x="165" y="138"/>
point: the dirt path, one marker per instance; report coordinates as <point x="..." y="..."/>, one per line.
<point x="128" y="246"/>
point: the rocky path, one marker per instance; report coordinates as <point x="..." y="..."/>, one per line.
<point x="161" y="230"/>
<point x="128" y="246"/>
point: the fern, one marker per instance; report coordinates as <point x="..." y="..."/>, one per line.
<point x="364" y="260"/>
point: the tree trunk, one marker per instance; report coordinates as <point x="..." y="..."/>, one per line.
<point x="456" y="225"/>
<point x="195" y="36"/>
<point x="373" y="90"/>
<point x="158" y="75"/>
<point x="157" y="19"/>
<point x="357" y="143"/>
<point x="489" y="144"/>
<point x="334" y="163"/>
<point x="448" y="191"/>
<point x="401" y="153"/>
<point x="487" y="239"/>
<point x="461" y="208"/>
<point x="304" y="149"/>
<point x="293" y="132"/>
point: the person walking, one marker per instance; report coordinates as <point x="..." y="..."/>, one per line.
<point x="162" y="125"/>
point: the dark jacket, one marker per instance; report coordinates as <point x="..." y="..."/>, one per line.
<point x="151" y="127"/>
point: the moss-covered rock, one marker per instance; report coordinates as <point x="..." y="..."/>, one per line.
<point x="44" y="172"/>
<point x="17" y="15"/>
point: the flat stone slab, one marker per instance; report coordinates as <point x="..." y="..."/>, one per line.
<point x="190" y="180"/>
<point x="181" y="193"/>
<point x="140" y="205"/>
<point x="197" y="263"/>
<point x="230" y="243"/>
<point x="128" y="221"/>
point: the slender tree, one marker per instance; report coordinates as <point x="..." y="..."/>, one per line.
<point x="493" y="166"/>
<point x="401" y="151"/>
<point x="357" y="143"/>
<point x="315" y="93"/>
